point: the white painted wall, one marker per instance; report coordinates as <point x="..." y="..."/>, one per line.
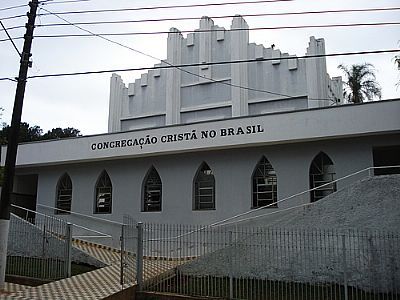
<point x="307" y="125"/>
<point x="232" y="169"/>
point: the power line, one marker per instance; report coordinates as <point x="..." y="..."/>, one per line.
<point x="155" y="58"/>
<point x="89" y="34"/>
<point x="184" y="18"/>
<point x="223" y="30"/>
<point x="213" y="63"/>
<point x="10" y="79"/>
<point x="219" y="17"/>
<point x="164" y="7"/>
<point x="13" y="17"/>
<point x="164" y="61"/>
<point x="148" y="8"/>
<point x="42" y="2"/>
<point x="46" y="2"/>
<point x="11" y="40"/>
<point x="180" y="67"/>
<point x="13" y="7"/>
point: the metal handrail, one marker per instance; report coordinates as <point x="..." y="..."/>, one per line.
<point x="304" y="192"/>
<point x="76" y="225"/>
<point x="82" y="215"/>
<point x="224" y="221"/>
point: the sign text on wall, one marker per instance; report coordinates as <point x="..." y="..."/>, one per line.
<point x="177" y="137"/>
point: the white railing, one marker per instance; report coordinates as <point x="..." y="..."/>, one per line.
<point x="224" y="221"/>
<point x="39" y="248"/>
<point x="270" y="263"/>
<point x="100" y="234"/>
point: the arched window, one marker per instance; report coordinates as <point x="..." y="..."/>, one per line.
<point x="64" y="195"/>
<point x="265" y="191"/>
<point x="204" y="188"/>
<point x="152" y="191"/>
<point x="322" y="172"/>
<point x="103" y="203"/>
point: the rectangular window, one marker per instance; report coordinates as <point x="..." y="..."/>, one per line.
<point x="103" y="201"/>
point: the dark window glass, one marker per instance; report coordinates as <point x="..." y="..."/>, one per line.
<point x="265" y="190"/>
<point x="64" y="195"/>
<point x="103" y="194"/>
<point x="152" y="191"/>
<point x="322" y="173"/>
<point x="204" y="189"/>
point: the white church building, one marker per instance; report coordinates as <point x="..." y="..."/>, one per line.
<point x="201" y="143"/>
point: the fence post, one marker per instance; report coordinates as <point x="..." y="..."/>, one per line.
<point x="122" y="240"/>
<point x="68" y="240"/>
<point x="139" y="257"/>
<point x="231" y="265"/>
<point x="344" y="261"/>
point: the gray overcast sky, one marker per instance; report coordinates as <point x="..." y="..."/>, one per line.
<point x="82" y="101"/>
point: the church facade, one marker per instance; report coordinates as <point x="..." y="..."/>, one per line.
<point x="200" y="149"/>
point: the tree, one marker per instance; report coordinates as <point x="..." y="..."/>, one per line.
<point x="26" y="133"/>
<point x="29" y="133"/>
<point x="59" y="133"/>
<point x="361" y="83"/>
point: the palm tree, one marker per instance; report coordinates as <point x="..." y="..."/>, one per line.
<point x="361" y="83"/>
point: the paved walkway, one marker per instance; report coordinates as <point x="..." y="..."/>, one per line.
<point x="92" y="285"/>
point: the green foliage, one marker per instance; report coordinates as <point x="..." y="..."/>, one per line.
<point x="59" y="133"/>
<point x="360" y="83"/>
<point x="29" y="133"/>
<point x="26" y="133"/>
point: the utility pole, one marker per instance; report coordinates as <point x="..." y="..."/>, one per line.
<point x="9" y="170"/>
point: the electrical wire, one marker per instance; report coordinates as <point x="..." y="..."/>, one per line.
<point x="147" y="8"/>
<point x="213" y="63"/>
<point x="182" y="66"/>
<point x="12" y="17"/>
<point x="220" y="17"/>
<point x="89" y="34"/>
<point x="222" y="30"/>
<point x="190" y="65"/>
<point x="13" y="7"/>
<point x="10" y="79"/>
<point x="11" y="40"/>
<point x="167" y="63"/>
<point x="214" y="17"/>
<point x="163" y="7"/>
<point x="46" y="2"/>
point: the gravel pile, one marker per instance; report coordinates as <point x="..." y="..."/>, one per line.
<point x="308" y="245"/>
<point x="371" y="204"/>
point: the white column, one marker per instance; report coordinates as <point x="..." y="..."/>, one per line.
<point x="118" y="92"/>
<point x="239" y="72"/>
<point x="317" y="84"/>
<point x="173" y="84"/>
<point x="205" y="45"/>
